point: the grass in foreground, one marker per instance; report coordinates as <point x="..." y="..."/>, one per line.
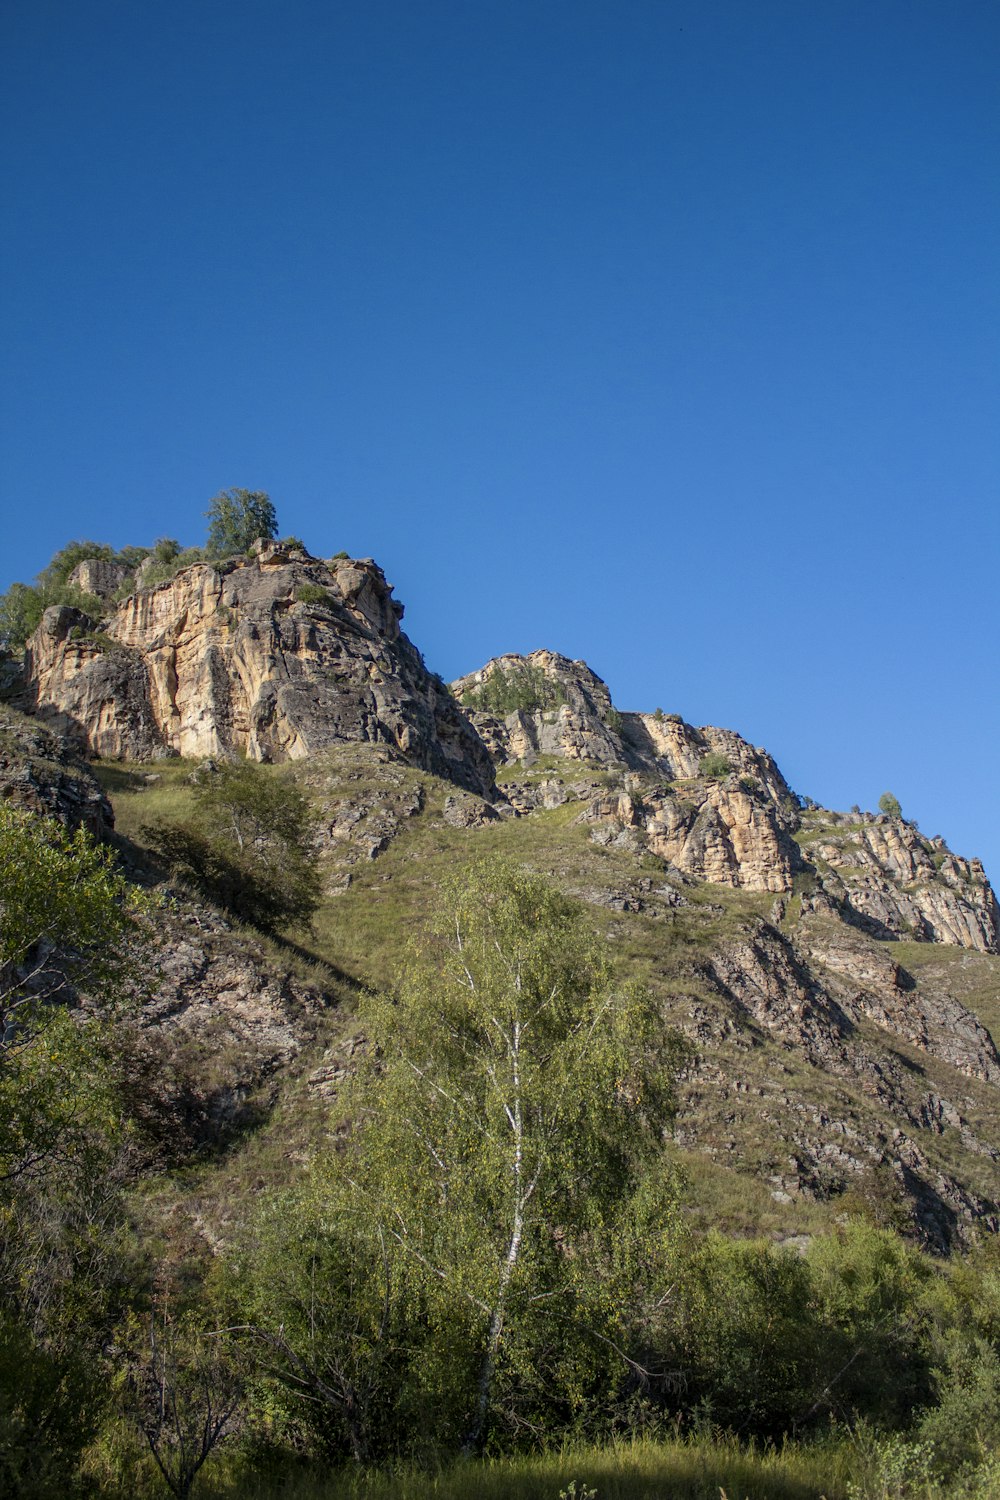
<point x="691" y="1469"/>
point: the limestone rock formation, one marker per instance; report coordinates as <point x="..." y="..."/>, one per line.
<point x="718" y="809"/>
<point x="894" y="882"/>
<point x="99" y="576"/>
<point x="565" y="709"/>
<point x="40" y="772"/>
<point x="276" y="658"/>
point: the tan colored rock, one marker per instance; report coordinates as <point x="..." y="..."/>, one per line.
<point x="573" y="724"/>
<point x="98" y="576"/>
<point x="902" y="885"/>
<point x="229" y="658"/>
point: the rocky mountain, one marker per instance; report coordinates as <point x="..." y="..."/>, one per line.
<point x="274" y="658"/>
<point x="836" y="975"/>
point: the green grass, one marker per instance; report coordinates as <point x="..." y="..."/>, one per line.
<point x="734" y="1136"/>
<point x="643" y="1469"/>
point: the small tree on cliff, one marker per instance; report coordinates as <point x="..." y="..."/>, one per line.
<point x="237" y="519"/>
<point x="890" y="804"/>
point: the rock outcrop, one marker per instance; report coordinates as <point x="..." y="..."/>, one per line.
<point x="884" y="875"/>
<point x="39" y="771"/>
<point x="276" y="658"/>
<point x="560" y="708"/>
<point x="718" y="809"/>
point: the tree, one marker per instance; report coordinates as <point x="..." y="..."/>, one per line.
<point x="186" y="1394"/>
<point x="516" y="1094"/>
<point x="68" y="921"/>
<point x="21" y="608"/>
<point x="890" y="804"/>
<point x="247" y="846"/>
<point x="237" y="519"/>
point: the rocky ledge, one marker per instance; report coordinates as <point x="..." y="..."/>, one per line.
<point x="274" y="657"/>
<point x="718" y="809"/>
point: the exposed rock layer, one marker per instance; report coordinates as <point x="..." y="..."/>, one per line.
<point x="718" y="809"/>
<point x="275" y="658"/>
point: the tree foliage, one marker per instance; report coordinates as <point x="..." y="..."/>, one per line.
<point x="238" y="518"/>
<point x="522" y="687"/>
<point x="247" y="845"/>
<point x="516" y="1095"/>
<point x="69" y="921"/>
<point x="890" y="804"/>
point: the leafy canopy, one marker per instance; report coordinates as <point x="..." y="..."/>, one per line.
<point x="519" y="1092"/>
<point x="247" y="845"/>
<point x="68" y="919"/>
<point x="237" y="519"/>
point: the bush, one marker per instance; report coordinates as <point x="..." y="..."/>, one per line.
<point x="247" y="847"/>
<point x="521" y="688"/>
<point x="714" y="765"/>
<point x="312" y="593"/>
<point x="890" y="804"/>
<point x="237" y="519"/>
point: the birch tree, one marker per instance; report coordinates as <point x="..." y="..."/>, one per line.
<point x="516" y="1092"/>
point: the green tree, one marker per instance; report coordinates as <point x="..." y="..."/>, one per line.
<point x="69" y="921"/>
<point x="237" y="519"/>
<point x="21" y="609"/>
<point x="890" y="804"/>
<point x="517" y="1094"/>
<point x="247" y="846"/>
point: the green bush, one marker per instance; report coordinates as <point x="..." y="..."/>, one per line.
<point x="714" y="765"/>
<point x="890" y="804"/>
<point x="247" y="846"/>
<point x="522" y="688"/>
<point x="312" y="593"/>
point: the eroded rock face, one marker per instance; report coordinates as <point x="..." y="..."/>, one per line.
<point x="40" y="772"/>
<point x="718" y="809"/>
<point x="896" y="883"/>
<point x="275" y="658"/>
<point x="99" y="576"/>
<point x="573" y="723"/>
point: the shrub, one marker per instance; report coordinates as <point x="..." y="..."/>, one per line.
<point x="614" y="720"/>
<point x="312" y="593"/>
<point x="237" y="519"/>
<point x="890" y="804"/>
<point x="520" y="688"/>
<point x="714" y="765"/>
<point x="247" y="847"/>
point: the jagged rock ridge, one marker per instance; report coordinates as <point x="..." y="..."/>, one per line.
<point x="719" y="809"/>
<point x="275" y="658"/>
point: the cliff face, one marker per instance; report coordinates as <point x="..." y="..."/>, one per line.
<point x="275" y="658"/>
<point x="820" y="1052"/>
<point x="718" y="809"/>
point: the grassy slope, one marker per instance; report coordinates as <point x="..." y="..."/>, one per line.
<point x="733" y="1135"/>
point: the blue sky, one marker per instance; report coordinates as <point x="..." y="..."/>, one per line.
<point x="663" y="333"/>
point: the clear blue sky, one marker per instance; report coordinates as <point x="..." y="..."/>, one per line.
<point x="663" y="333"/>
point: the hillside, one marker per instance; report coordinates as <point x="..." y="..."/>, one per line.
<point x="835" y="974"/>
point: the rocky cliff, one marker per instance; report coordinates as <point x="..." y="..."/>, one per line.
<point x="275" y="657"/>
<point x="834" y="973"/>
<point x="718" y="809"/>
